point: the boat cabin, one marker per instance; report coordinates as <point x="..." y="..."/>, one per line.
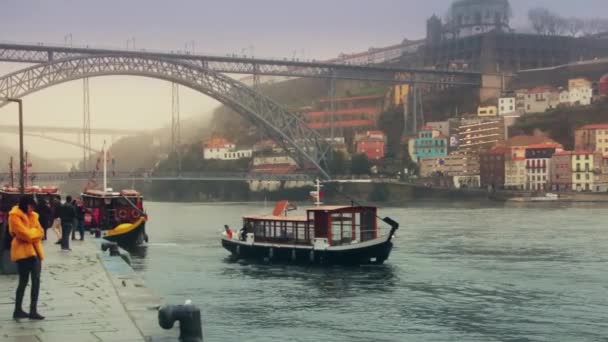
<point x="106" y="209"/>
<point x="9" y="197"/>
<point x="335" y="225"/>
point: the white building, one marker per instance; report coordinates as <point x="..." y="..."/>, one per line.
<point x="580" y="92"/>
<point x="506" y="105"/>
<point x="486" y="111"/>
<point x="564" y="97"/>
<point x="541" y="99"/>
<point x="222" y="149"/>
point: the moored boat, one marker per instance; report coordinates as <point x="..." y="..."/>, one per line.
<point x="119" y="215"/>
<point x="325" y="235"/>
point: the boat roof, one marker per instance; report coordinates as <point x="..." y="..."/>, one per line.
<point x="298" y="218"/>
<point x="334" y="207"/>
<point x="105" y="194"/>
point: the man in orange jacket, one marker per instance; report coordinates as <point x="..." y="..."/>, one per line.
<point x="26" y="251"/>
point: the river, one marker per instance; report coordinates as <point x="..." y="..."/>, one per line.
<point x="458" y="272"/>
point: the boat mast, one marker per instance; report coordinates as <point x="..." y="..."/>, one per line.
<point x="12" y="172"/>
<point x="105" y="168"/>
<point x="318" y="193"/>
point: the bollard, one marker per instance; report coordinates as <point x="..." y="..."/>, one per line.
<point x="189" y="317"/>
<point x="112" y="246"/>
<point x="97" y="233"/>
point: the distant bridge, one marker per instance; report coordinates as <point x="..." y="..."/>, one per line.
<point x="46" y="177"/>
<point x="67" y="130"/>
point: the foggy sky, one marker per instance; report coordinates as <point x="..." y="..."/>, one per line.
<point x="275" y="28"/>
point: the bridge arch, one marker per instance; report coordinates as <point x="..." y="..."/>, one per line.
<point x="303" y="143"/>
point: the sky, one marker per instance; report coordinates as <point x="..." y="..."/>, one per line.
<point x="312" y="29"/>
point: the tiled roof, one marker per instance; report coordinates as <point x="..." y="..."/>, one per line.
<point x="217" y="143"/>
<point x="346" y="123"/>
<point x="594" y="126"/>
<point x="354" y="98"/>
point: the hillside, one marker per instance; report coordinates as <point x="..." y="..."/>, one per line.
<point x="559" y="124"/>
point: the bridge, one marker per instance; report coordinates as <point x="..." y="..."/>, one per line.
<point x="206" y="74"/>
<point x="67" y="130"/>
<point x="49" y="177"/>
<point x="27" y="53"/>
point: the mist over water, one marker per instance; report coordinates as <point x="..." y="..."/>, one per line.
<point x="459" y="272"/>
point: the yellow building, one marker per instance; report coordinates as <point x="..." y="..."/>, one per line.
<point x="487" y="111"/>
<point x="400" y="93"/>
<point x="592" y="138"/>
<point x="584" y="167"/>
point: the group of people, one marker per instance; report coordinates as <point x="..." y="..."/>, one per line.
<point x="28" y="223"/>
<point x="69" y="216"/>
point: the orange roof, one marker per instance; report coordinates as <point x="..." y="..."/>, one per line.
<point x="427" y="128"/>
<point x="525" y="140"/>
<point x="345" y="123"/>
<point x="354" y="98"/>
<point x="217" y="143"/>
<point x="594" y="126"/>
<point x="499" y="150"/>
<point x="375" y="132"/>
<point x="518" y="158"/>
<point x="546" y="145"/>
<point x="541" y="89"/>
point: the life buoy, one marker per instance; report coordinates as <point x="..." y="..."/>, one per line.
<point x="122" y="214"/>
<point x="135" y="213"/>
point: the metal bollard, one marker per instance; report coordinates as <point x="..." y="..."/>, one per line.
<point x="112" y="246"/>
<point x="189" y="317"/>
<point x="97" y="233"/>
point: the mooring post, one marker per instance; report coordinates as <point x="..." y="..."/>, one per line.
<point x="189" y="317"/>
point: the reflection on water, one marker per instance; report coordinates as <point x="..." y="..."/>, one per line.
<point x="458" y="272"/>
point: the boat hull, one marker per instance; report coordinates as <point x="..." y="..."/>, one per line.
<point x="367" y="253"/>
<point x="130" y="239"/>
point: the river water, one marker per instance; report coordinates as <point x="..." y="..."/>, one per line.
<point x="458" y="272"/>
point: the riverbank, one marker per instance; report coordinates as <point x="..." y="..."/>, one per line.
<point x="85" y="296"/>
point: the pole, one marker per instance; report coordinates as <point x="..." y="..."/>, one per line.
<point x="21" y="161"/>
<point x="105" y="171"/>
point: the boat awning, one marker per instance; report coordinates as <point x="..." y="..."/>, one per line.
<point x="276" y="218"/>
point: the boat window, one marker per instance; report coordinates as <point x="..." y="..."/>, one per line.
<point x="295" y="232"/>
<point x="342" y="228"/>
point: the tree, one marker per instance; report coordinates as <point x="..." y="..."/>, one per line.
<point x="337" y="165"/>
<point x="575" y="26"/>
<point x="391" y="122"/>
<point x="538" y="18"/>
<point x="360" y="165"/>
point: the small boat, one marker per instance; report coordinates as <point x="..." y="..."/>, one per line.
<point x="325" y="235"/>
<point x="546" y="198"/>
<point x="119" y="215"/>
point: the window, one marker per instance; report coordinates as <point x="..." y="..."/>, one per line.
<point x="578" y="176"/>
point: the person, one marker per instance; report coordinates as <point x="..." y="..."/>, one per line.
<point x="56" y="226"/>
<point x="67" y="215"/>
<point x="26" y="251"/>
<point x="246" y="229"/>
<point x="44" y="215"/>
<point x="228" y="231"/>
<point x="79" y="223"/>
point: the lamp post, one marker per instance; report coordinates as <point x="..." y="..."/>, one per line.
<point x="21" y="161"/>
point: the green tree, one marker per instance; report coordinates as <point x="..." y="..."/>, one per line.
<point x="360" y="165"/>
<point x="338" y="165"/>
<point x="392" y="124"/>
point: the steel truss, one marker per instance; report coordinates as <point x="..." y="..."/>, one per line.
<point x="301" y="142"/>
<point x="253" y="66"/>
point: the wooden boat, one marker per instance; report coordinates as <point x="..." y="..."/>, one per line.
<point x="119" y="215"/>
<point x="326" y="235"/>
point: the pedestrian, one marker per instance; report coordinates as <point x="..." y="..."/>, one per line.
<point x="55" y="208"/>
<point x="45" y="216"/>
<point x="26" y="251"/>
<point x="79" y="223"/>
<point x="67" y="215"/>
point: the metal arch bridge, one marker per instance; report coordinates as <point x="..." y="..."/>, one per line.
<point x="28" y="53"/>
<point x="304" y="144"/>
<point x="61" y="141"/>
<point x="170" y="176"/>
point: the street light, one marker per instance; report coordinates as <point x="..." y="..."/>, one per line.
<point x="21" y="158"/>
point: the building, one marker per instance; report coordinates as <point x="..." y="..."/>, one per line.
<point x="452" y="165"/>
<point x="576" y="171"/>
<point x="592" y="138"/>
<point x="515" y="172"/>
<point x="580" y="92"/>
<point x="492" y="167"/>
<point x="538" y="165"/>
<point x="222" y="149"/>
<point x="488" y="111"/>
<point x="506" y="106"/>
<point x="442" y="126"/>
<point x="603" y="85"/>
<point x="372" y="144"/>
<point x="473" y="17"/>
<point x="478" y="135"/>
<point x="346" y="115"/>
<point x="540" y="99"/>
<point x="429" y="143"/>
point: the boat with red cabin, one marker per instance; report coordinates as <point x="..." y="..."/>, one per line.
<point x="120" y="215"/>
<point x="326" y="235"/>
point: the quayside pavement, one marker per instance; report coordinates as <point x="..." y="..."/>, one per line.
<point x="85" y="296"/>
